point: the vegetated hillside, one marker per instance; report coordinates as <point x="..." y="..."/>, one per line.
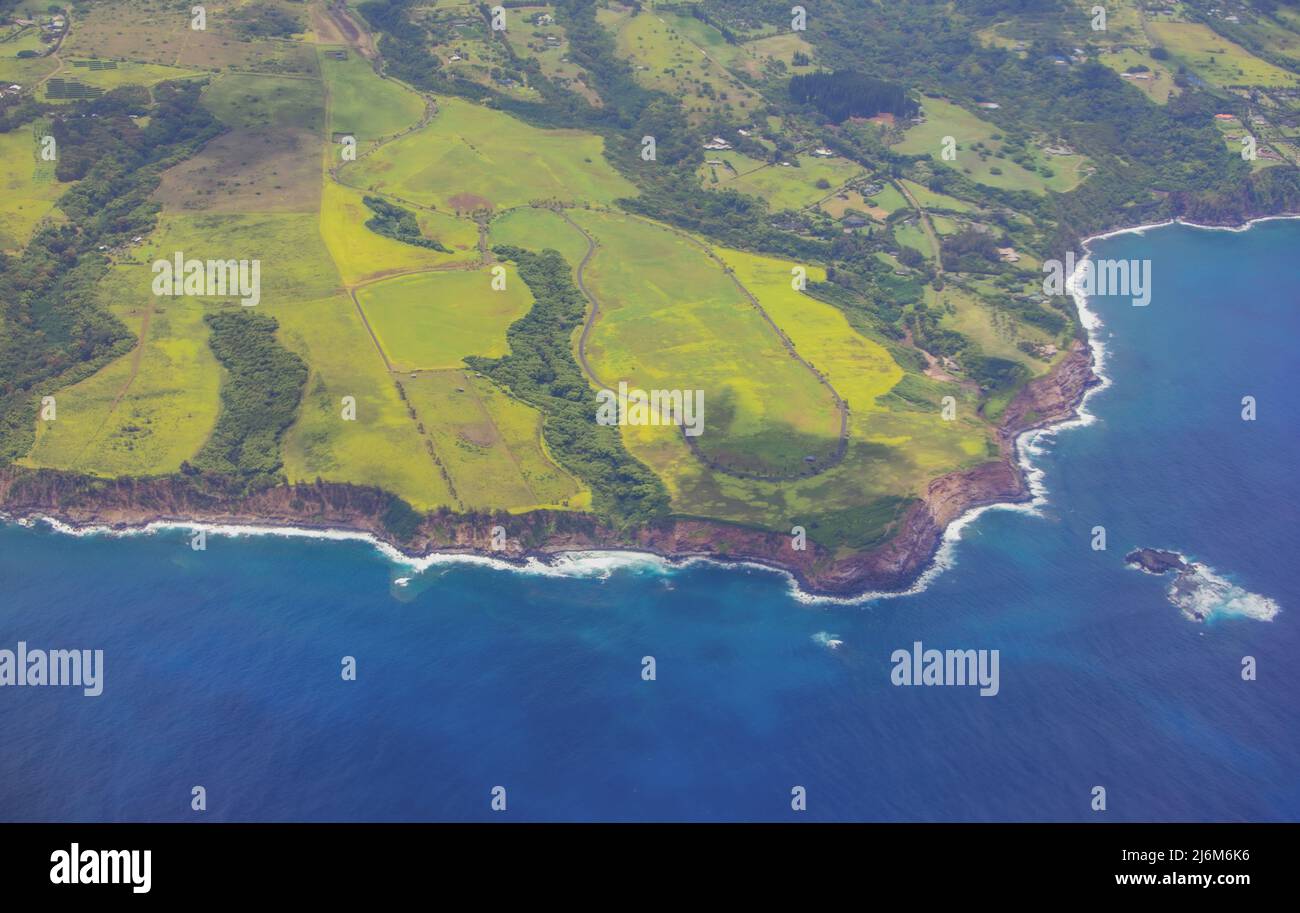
<point x="914" y="163"/>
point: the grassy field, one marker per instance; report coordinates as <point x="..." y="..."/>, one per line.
<point x="538" y="229"/>
<point x="363" y="104"/>
<point x="149" y="410"/>
<point x="931" y="200"/>
<point x="267" y="169"/>
<point x="671" y="319"/>
<point x="363" y="256"/>
<point x="912" y="235"/>
<point x="995" y="332"/>
<point x="471" y="157"/>
<point x="158" y="31"/>
<point x="1216" y="59"/>
<point x="24" y="200"/>
<point x="240" y="100"/>
<point x="668" y="60"/>
<point x="887" y="201"/>
<point x="982" y="164"/>
<point x="383" y="445"/>
<point x="896" y="445"/>
<point x="1158" y="88"/>
<point x="26" y="72"/>
<point x="783" y="187"/>
<point x="490" y="443"/>
<point x="433" y="320"/>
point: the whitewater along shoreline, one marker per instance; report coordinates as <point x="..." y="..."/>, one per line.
<point x="541" y="541"/>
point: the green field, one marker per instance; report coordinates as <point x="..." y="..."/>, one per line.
<point x="1216" y="59"/>
<point x="911" y="235"/>
<point x="995" y="332"/>
<point x="256" y="102"/>
<point x="671" y="319"/>
<point x="490" y="443"/>
<point x="888" y="201"/>
<point x="1160" y="84"/>
<point x="24" y="200"/>
<point x="784" y="187"/>
<point x="896" y="446"/>
<point x="149" y="410"/>
<point x="433" y="320"/>
<point x="363" y="104"/>
<point x="668" y="60"/>
<point x="538" y="229"/>
<point x="943" y="118"/>
<point x="472" y="157"/>
<point x="931" y="200"/>
<point x="364" y="256"/>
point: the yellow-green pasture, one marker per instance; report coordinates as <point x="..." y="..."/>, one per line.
<point x="433" y="320"/>
<point x="670" y="318"/>
<point x="471" y="157"/>
<point x="930" y="199"/>
<point x="361" y="102"/>
<point x="897" y="443"/>
<point x="363" y="256"/>
<point x="1216" y="59"/>
<point x="152" y="408"/>
<point x="783" y="186"/>
<point x="490" y="443"/>
<point x="28" y="191"/>
<point x="944" y="119"/>
<point x="667" y="60"/>
<point x="997" y="333"/>
<point x="539" y="229"/>
<point x="1157" y="82"/>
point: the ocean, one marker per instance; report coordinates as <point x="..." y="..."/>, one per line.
<point x="223" y="668"/>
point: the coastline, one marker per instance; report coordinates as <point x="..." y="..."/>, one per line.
<point x="557" y="544"/>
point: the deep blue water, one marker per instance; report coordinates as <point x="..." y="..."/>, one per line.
<point x="222" y="667"/>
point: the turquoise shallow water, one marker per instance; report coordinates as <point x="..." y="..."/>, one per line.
<point x="222" y="667"/>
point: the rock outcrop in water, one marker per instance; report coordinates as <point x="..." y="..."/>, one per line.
<point x="1156" y="561"/>
<point x="1198" y="591"/>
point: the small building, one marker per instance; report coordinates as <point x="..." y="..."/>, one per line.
<point x="822" y="152"/>
<point x="853" y="222"/>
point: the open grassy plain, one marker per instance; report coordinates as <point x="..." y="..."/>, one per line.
<point x="671" y="318"/>
<point x="24" y="200"/>
<point x="471" y="157"/>
<point x="433" y="320"/>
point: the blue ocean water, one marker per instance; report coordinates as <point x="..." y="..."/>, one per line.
<point x="222" y="667"/>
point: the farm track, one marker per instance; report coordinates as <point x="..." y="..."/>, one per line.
<point x="840" y="405"/>
<point x="926" y="226"/>
<point x="393" y="373"/>
<point x="137" y="354"/>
